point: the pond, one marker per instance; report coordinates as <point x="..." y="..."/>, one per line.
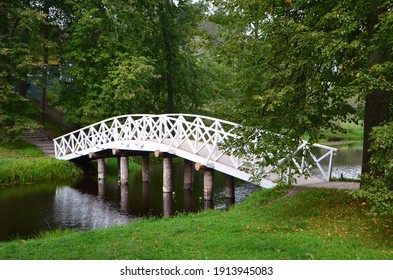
<point x="348" y="160"/>
<point x="27" y="210"/>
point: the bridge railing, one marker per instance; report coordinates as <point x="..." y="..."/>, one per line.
<point x="199" y="135"/>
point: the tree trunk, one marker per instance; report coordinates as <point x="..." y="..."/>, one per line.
<point x="377" y="102"/>
<point x="376" y="112"/>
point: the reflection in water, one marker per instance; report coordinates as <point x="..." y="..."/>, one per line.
<point x="346" y="162"/>
<point x="124" y="198"/>
<point x="146" y="196"/>
<point x="101" y="188"/>
<point x="208" y="204"/>
<point x="73" y="209"/>
<point x="188" y="200"/>
<point x="167" y="204"/>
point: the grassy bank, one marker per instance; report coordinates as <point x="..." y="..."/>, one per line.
<point x="311" y="224"/>
<point x="354" y="132"/>
<point x="23" y="163"/>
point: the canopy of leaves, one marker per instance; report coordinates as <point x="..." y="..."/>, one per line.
<point x="302" y="66"/>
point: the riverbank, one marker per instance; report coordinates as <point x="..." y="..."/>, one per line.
<point x="300" y="223"/>
<point x="22" y="162"/>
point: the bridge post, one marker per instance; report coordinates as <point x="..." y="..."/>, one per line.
<point x="187" y="175"/>
<point x="167" y="175"/>
<point x="229" y="187"/>
<point x="101" y="168"/>
<point x="123" y="171"/>
<point x="208" y="179"/>
<point x="145" y="168"/>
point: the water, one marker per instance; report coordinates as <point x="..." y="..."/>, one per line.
<point x="27" y="210"/>
<point x="347" y="161"/>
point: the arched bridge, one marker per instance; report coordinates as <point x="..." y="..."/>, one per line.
<point x="192" y="137"/>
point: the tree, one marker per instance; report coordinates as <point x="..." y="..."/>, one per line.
<point x="302" y="64"/>
<point x="379" y="73"/>
<point x="104" y="69"/>
<point x="171" y="44"/>
<point x="16" y="62"/>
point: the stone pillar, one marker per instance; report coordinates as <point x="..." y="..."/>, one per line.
<point x="187" y="175"/>
<point x="145" y="168"/>
<point x="101" y="168"/>
<point x="123" y="171"/>
<point x="229" y="187"/>
<point x="167" y="175"/>
<point x="208" y="178"/>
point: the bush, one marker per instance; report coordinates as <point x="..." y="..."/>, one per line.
<point x="377" y="194"/>
<point x="377" y="187"/>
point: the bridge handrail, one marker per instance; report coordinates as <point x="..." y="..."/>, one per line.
<point x="178" y="129"/>
<point x="147" y="115"/>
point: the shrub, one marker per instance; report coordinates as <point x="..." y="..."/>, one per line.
<point x="377" y="187"/>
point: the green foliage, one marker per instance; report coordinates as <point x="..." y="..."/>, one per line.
<point x="302" y="67"/>
<point x="377" y="187"/>
<point x="382" y="159"/>
<point x="378" y="194"/>
<point x="118" y="60"/>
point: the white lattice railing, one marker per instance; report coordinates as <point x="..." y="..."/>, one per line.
<point x="193" y="137"/>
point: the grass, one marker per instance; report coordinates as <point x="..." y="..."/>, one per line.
<point x="354" y="132"/>
<point x="111" y="165"/>
<point x="313" y="224"/>
<point x="22" y="162"/>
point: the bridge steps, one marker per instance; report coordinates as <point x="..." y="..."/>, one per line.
<point x="40" y="139"/>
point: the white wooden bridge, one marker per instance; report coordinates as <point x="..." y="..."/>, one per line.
<point x="192" y="137"/>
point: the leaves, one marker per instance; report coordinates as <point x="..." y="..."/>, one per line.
<point x="307" y="67"/>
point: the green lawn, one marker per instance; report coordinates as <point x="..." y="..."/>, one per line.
<point x="354" y="132"/>
<point x="312" y="224"/>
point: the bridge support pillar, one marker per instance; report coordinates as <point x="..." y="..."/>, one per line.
<point x="145" y="168"/>
<point x="208" y="179"/>
<point x="229" y="186"/>
<point x="187" y="175"/>
<point x="123" y="171"/>
<point x="167" y="175"/>
<point x="101" y="168"/>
